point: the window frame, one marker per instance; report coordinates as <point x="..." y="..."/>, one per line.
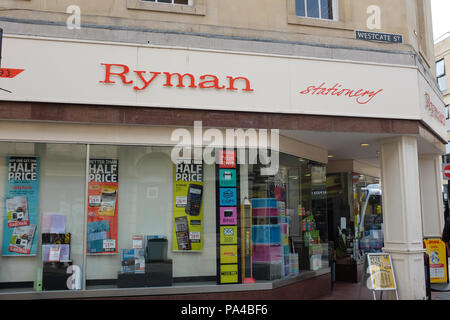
<point x="339" y="20"/>
<point x="442" y="75"/>
<point x="195" y="7"/>
<point x="443" y="63"/>
<point x="334" y="10"/>
<point x="190" y="2"/>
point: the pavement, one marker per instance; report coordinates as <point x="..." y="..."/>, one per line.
<point x="356" y="291"/>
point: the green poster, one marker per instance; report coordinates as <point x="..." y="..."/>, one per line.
<point x="188" y="206"/>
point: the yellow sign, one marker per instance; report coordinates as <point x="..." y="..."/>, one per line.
<point x="188" y="206"/>
<point x="229" y="273"/>
<point x="228" y="235"/>
<point x="229" y="254"/>
<point x="438" y="260"/>
<point x="381" y="271"/>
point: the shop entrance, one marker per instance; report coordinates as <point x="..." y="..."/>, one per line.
<point x="355" y="221"/>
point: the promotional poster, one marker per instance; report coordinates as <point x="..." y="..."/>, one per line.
<point x="381" y="271"/>
<point x="103" y="206"/>
<point x="228" y="213"/>
<point x="188" y="206"/>
<point x="438" y="260"/>
<point x="21" y="206"/>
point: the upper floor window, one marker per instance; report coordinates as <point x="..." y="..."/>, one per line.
<point x="441" y="76"/>
<point x="187" y="2"/>
<point x="192" y="7"/>
<point x="320" y="9"/>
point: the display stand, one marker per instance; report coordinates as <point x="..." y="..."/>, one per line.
<point x="146" y="265"/>
<point x="378" y="274"/>
<point x="56" y="261"/>
<point x="438" y="264"/>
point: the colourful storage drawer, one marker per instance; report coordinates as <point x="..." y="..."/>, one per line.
<point x="266" y="234"/>
<point x="264" y="203"/>
<point x="267" y="271"/>
<point x="264" y="212"/>
<point x="266" y="252"/>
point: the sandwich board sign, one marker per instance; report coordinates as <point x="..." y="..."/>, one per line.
<point x="438" y="260"/>
<point x="380" y="273"/>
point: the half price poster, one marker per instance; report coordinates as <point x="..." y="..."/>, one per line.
<point x="188" y="206"/>
<point x="103" y="195"/>
<point x="21" y="206"/>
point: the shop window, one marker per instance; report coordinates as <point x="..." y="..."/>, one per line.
<point x="147" y="222"/>
<point x="370" y="218"/>
<point x="320" y="9"/>
<point x="105" y="216"/>
<point x="441" y="76"/>
<point x="42" y="215"/>
<point x="299" y="192"/>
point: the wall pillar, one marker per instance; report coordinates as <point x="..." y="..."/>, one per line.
<point x="402" y="215"/>
<point x="430" y="171"/>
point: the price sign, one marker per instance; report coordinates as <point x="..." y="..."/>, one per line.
<point x="109" y="244"/>
<point x="54" y="254"/>
<point x="194" y="236"/>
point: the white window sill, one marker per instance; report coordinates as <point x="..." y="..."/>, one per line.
<point x="199" y="7"/>
<point x="316" y="22"/>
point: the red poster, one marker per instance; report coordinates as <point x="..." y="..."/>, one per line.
<point x="227" y="159"/>
<point x="103" y="193"/>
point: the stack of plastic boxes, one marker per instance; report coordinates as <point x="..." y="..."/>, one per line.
<point x="284" y="221"/>
<point x="267" y="255"/>
<point x="285" y="243"/>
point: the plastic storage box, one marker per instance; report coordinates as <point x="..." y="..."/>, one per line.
<point x="266" y="252"/>
<point x="266" y="234"/>
<point x="264" y="212"/>
<point x="267" y="271"/>
<point x="156" y="250"/>
<point x="264" y="203"/>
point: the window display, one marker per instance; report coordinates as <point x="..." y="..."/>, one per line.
<point x="155" y="222"/>
<point x="43" y="214"/>
<point x="289" y="218"/>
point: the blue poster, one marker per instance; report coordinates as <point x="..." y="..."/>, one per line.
<point x="228" y="196"/>
<point x="21" y="206"/>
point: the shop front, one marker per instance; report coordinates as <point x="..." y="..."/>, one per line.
<point x="156" y="171"/>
